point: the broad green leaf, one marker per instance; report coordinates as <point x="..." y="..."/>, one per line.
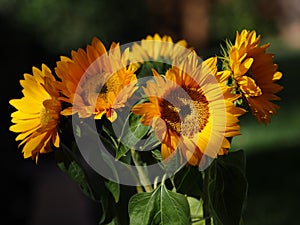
<point x="91" y="183"/>
<point x="114" y="188"/>
<point x="142" y="208"/>
<point x="66" y="159"/>
<point x="136" y="127"/>
<point x="195" y="207"/>
<point x="161" y="207"/>
<point x="174" y="208"/>
<point x="170" y="166"/>
<point x="196" y="210"/>
<point x="173" y="164"/>
<point x="71" y="161"/>
<point x="132" y="134"/>
<point x="75" y="172"/>
<point x="189" y="181"/>
<point x="122" y="151"/>
<point x="151" y="143"/>
<point x="227" y="188"/>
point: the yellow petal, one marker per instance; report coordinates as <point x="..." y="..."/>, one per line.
<point x="25" y="126"/>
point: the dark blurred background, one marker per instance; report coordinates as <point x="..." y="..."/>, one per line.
<point x="39" y="31"/>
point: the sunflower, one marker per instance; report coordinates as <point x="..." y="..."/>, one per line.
<point x="254" y="74"/>
<point x="38" y="113"/>
<point x="96" y="82"/>
<point x="190" y="111"/>
<point x="157" y="48"/>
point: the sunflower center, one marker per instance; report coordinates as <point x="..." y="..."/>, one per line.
<point x="45" y="117"/>
<point x="95" y="87"/>
<point x="113" y="84"/>
<point x="187" y="114"/>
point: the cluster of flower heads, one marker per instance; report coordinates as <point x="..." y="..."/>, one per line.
<point x="193" y="107"/>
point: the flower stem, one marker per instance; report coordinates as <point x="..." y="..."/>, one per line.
<point x="142" y="176"/>
<point x="206" y="210"/>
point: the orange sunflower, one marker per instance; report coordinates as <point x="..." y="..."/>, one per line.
<point x="190" y="111"/>
<point x="38" y="113"/>
<point x="254" y="73"/>
<point x="96" y="82"/>
<point x="155" y="48"/>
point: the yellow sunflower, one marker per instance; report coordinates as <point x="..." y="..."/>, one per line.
<point x="96" y="82"/>
<point x="155" y="48"/>
<point x="255" y="74"/>
<point x="38" y="113"/>
<point x="190" y="111"/>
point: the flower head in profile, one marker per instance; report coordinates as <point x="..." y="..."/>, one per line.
<point x="190" y="111"/>
<point x="254" y="74"/>
<point x="96" y="82"/>
<point x="37" y="115"/>
<point x="156" y="48"/>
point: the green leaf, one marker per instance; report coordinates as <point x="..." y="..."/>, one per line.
<point x="189" y="181"/>
<point x="113" y="222"/>
<point x="174" y="208"/>
<point x="151" y="142"/>
<point x="132" y="134"/>
<point x="157" y="154"/>
<point x="173" y="164"/>
<point x="71" y="161"/>
<point x="67" y="160"/>
<point x="161" y="207"/>
<point x="147" y="66"/>
<point x="108" y="210"/>
<point x="114" y="188"/>
<point x="142" y="208"/>
<point x="122" y="151"/>
<point x="75" y="172"/>
<point x="137" y="128"/>
<point x="196" y="211"/>
<point x="227" y="188"/>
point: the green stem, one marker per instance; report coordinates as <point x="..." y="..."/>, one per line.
<point x="206" y="209"/>
<point x="143" y="177"/>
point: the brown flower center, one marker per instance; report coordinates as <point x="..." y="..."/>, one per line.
<point x="185" y="114"/>
<point x="44" y="117"/>
<point x="49" y="113"/>
<point x="94" y="87"/>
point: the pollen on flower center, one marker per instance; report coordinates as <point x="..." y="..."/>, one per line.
<point x="113" y="84"/>
<point x="45" y="117"/>
<point x="185" y="116"/>
<point x="96" y="86"/>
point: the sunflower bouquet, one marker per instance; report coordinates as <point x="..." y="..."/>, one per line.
<point x="145" y="128"/>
